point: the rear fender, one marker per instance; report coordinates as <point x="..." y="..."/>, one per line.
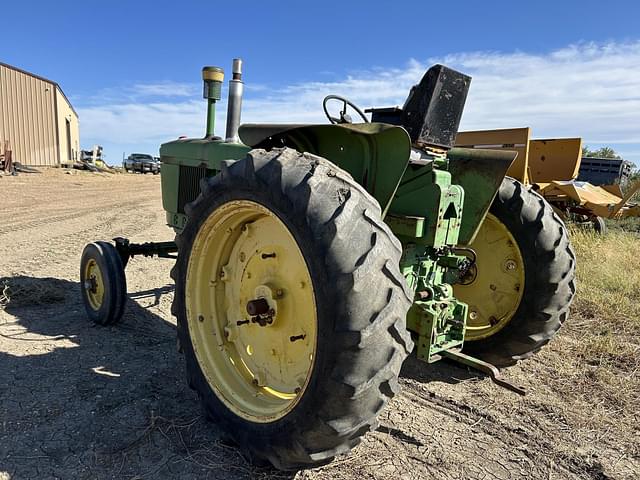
<point x="375" y="154"/>
<point x="479" y="172"/>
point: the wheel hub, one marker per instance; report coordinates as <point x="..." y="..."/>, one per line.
<point x="493" y="287"/>
<point x="94" y="284"/>
<point x="259" y="306"/>
<point x="256" y="341"/>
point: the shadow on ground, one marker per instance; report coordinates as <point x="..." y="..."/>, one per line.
<point x="82" y="401"/>
<point x="446" y="371"/>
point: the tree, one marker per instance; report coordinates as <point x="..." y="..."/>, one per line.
<point x="603" y="152"/>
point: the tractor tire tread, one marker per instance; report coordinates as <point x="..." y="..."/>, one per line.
<point x="545" y="246"/>
<point x="369" y="339"/>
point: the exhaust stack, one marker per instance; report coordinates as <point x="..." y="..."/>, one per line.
<point x="234" y="107"/>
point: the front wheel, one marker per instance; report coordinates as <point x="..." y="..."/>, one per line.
<point x="523" y="282"/>
<point x="290" y="306"/>
<point x="103" y="283"/>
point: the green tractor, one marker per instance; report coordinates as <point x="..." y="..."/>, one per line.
<point x="313" y="259"/>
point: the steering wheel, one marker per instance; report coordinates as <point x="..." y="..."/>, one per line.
<point x="344" y="118"/>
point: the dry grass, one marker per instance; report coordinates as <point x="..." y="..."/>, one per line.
<point x="27" y="291"/>
<point x="608" y="300"/>
<point x="596" y="358"/>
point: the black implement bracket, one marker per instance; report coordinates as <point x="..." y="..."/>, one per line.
<point x="127" y="250"/>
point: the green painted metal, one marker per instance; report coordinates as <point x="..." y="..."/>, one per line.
<point x="423" y="206"/>
<point x="436" y="316"/>
<point x="422" y="201"/>
<point x="426" y="192"/>
<point x="169" y="184"/>
<point x="429" y="263"/>
<point x="375" y="154"/>
<point x="202" y="152"/>
<point x="406" y="226"/>
<point x="479" y="173"/>
<point x="211" y="117"/>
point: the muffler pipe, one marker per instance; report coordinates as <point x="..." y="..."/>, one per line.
<point x="234" y="106"/>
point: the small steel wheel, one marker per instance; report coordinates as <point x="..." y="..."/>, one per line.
<point x="599" y="225"/>
<point x="103" y="283"/>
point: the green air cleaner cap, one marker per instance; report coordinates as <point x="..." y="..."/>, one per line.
<point x="213" y="78"/>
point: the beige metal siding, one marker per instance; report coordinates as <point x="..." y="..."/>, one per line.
<point x="27" y="117"/>
<point x="66" y="114"/>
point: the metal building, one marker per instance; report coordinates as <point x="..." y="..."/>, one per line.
<point x="36" y="119"/>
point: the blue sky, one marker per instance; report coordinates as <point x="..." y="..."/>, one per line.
<point x="132" y="68"/>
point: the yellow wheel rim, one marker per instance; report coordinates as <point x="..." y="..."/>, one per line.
<point x="259" y="366"/>
<point x="494" y="287"/>
<point x="94" y="284"/>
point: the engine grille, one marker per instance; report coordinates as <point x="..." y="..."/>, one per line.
<point x="189" y="184"/>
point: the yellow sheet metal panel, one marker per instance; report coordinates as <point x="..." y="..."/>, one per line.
<point x="613" y="189"/>
<point x="554" y="159"/>
<point x="27" y="117"/>
<point x="599" y="201"/>
<point x="68" y="130"/>
<point x="513" y="139"/>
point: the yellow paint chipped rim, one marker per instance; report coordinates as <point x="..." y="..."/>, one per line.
<point x="95" y="289"/>
<point x="243" y="251"/>
<point x="496" y="291"/>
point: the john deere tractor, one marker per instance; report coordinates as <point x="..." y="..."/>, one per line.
<point x="313" y="259"/>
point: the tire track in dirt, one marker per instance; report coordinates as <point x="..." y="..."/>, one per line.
<point x="64" y="245"/>
<point x="50" y="220"/>
<point x="145" y="423"/>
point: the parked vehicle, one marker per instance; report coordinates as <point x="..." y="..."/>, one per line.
<point x="141" y="162"/>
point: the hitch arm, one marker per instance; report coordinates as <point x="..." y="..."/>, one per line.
<point x="484" y="367"/>
<point x="127" y="250"/>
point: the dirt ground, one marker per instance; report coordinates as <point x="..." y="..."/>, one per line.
<point x="79" y="401"/>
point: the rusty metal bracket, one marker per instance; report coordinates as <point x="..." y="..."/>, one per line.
<point x="484" y="367"/>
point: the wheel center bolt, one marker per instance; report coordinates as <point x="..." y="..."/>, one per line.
<point x="91" y="284"/>
<point x="259" y="306"/>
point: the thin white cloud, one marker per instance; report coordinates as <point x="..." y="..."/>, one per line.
<point x="164" y="89"/>
<point x="588" y="90"/>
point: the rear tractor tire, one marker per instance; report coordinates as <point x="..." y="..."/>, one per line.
<point x="103" y="283"/>
<point x="291" y="307"/>
<point x="523" y="283"/>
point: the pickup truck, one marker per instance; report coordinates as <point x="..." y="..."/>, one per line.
<point x="141" y="162"/>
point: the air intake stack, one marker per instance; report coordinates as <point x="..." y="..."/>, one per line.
<point x="212" y="78"/>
